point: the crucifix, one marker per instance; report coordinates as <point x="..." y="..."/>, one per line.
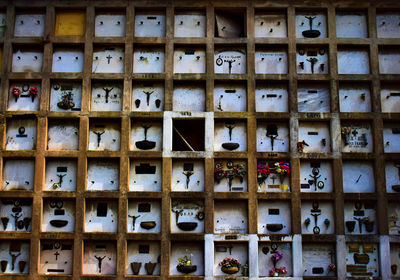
<point x="108" y="59"/>
<point x="230" y="61"/>
<point x="56" y="254"/>
<point x="98" y="137"/>
<point x="100" y="260"/>
<point x="107" y="90"/>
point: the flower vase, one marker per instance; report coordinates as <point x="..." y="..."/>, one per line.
<point x="230" y="270"/>
<point x="150" y="267"/>
<point x="282" y="178"/>
<point x="136" y="267"/>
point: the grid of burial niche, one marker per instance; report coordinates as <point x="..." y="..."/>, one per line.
<point x="145" y="149"/>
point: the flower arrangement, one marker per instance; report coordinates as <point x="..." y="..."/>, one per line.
<point x="345" y="131"/>
<point x="33" y="92"/>
<point x="263" y="171"/>
<point x="282" y="168"/>
<point x="232" y="172"/>
<point x="276" y="271"/>
<point x="229" y="265"/>
<point x="185" y="264"/>
<point x="332" y="267"/>
<point x="16" y="92"/>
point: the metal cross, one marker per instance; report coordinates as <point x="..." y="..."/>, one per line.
<point x="108" y="58"/>
<point x="56" y="254"/>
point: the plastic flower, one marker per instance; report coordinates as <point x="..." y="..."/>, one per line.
<point x="277" y="256"/>
<point x="332" y="267"/>
<point x="283" y="270"/>
<point x="282" y="168"/>
<point x="345" y="130"/>
<point x="33" y="91"/>
<point x="229" y="262"/>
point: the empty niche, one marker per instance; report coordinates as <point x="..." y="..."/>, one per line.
<point x="311" y="24"/>
<point x="18" y="174"/>
<point x="391" y="137"/>
<point x="24" y="96"/>
<point x="187" y="258"/>
<point x="109" y="24"/>
<point x="15" y="214"/>
<point x="188" y="135"/>
<point x="60" y="174"/>
<point x="189" y="97"/>
<point x="319" y="259"/>
<point x="189" y="60"/>
<point x="143" y="258"/>
<point x="270" y="24"/>
<point x="144" y="216"/>
<point x="56" y="257"/>
<point x="230" y="217"/>
<point x="67" y="60"/>
<point x="2" y="23"/>
<point x="394" y="259"/>
<point x="392" y="171"/>
<point x="29" y="25"/>
<point x="312" y="60"/>
<point x="358" y="177"/>
<point x="106" y="96"/>
<point x="271" y="61"/>
<point x="387" y="25"/>
<point x="146" y="135"/>
<point x="101" y="216"/>
<point x="274" y="217"/>
<point x="58" y="215"/>
<point x="353" y="60"/>
<point x="104" y="135"/>
<point x="230" y="258"/>
<point x="102" y="175"/>
<point x="99" y="257"/>
<point x="150" y="24"/>
<point x="230" y="97"/>
<point x="230" y="61"/>
<point x="230" y="23"/>
<point x="390" y="98"/>
<point x="356" y="137"/>
<point x="190" y="23"/>
<point x="275" y="259"/>
<point x="187" y="216"/>
<point x="63" y="135"/>
<point x="65" y="96"/>
<point x="188" y="175"/>
<point x="70" y="23"/>
<point x="148" y="60"/>
<point x="273" y="176"/>
<point x="145" y="175"/>
<point x="230" y="135"/>
<point x="14" y="256"/>
<point x="351" y="25"/>
<point x="316" y="176"/>
<point x="317" y="218"/>
<point x="314" y="137"/>
<point x="313" y="98"/>
<point x="27" y="59"/>
<point x="148" y="96"/>
<point x="389" y="61"/>
<point x="354" y="98"/>
<point x="271" y="98"/>
<point x="272" y="137"/>
<point x="394" y="219"/>
<point x="21" y="134"/>
<point x="230" y="176"/>
<point x="360" y="217"/>
<point x="108" y="60"/>
<point x="362" y="259"/>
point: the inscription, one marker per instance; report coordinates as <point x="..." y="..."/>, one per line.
<point x="186" y="113"/>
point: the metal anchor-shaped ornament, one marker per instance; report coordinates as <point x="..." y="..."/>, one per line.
<point x="311" y="33"/>
<point x="145" y="144"/>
